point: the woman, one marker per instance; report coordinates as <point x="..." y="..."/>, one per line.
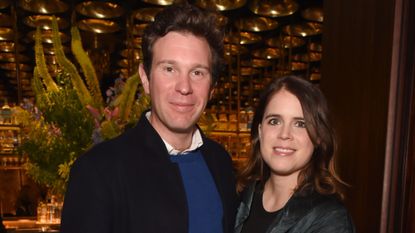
<point x="289" y="180"/>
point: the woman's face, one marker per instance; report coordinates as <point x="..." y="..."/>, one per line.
<point x="284" y="142"/>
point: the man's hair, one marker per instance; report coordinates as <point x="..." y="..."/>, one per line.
<point x="186" y="18"/>
<point x="319" y="174"/>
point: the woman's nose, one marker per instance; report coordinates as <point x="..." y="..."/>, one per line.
<point x="285" y="132"/>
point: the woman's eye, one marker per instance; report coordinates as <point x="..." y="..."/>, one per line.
<point x="274" y="121"/>
<point x="300" y="124"/>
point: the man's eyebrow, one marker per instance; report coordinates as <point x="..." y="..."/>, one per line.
<point x="166" y="62"/>
<point x="172" y="62"/>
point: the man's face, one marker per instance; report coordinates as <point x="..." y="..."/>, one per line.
<point x="179" y="83"/>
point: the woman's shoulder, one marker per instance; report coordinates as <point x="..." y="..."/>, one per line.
<point x="327" y="203"/>
<point x="315" y="213"/>
<point x="328" y="214"/>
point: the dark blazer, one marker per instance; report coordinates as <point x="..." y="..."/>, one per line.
<point x="311" y="213"/>
<point x="128" y="184"/>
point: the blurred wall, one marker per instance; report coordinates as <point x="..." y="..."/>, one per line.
<point x="356" y="69"/>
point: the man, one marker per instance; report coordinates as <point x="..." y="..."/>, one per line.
<point x="163" y="175"/>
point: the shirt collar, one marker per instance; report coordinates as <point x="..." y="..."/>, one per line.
<point x="196" y="141"/>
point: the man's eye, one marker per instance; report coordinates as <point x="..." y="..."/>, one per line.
<point x="300" y="124"/>
<point x="198" y="73"/>
<point x="168" y="69"/>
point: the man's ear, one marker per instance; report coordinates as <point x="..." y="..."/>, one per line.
<point x="144" y="79"/>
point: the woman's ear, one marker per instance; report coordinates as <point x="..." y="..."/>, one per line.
<point x="259" y="131"/>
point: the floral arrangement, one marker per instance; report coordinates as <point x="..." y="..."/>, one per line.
<point x="70" y="114"/>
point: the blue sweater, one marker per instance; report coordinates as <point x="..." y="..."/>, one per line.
<point x="203" y="200"/>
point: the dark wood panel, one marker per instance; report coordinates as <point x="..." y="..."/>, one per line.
<point x="409" y="200"/>
<point x="356" y="62"/>
<point x="399" y="207"/>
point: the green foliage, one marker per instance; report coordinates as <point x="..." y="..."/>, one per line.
<point x="62" y="132"/>
<point x="71" y="116"/>
<point x="41" y="67"/>
<point x="87" y="68"/>
<point x="69" y="67"/>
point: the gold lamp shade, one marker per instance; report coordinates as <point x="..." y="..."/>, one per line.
<point x="131" y="53"/>
<point x="307" y="57"/>
<point x="221" y="20"/>
<point x="304" y="29"/>
<point x="147" y="14"/>
<point x="296" y="66"/>
<point x="315" y="47"/>
<point x="44" y="6"/>
<point x="281" y="72"/>
<point x="134" y="43"/>
<point x="313" y="14"/>
<point x="9" y="47"/>
<point x="138" y="29"/>
<point x="47" y="36"/>
<point x="99" y="26"/>
<point x="244" y="38"/>
<point x="122" y="72"/>
<point x="25" y="82"/>
<point x="159" y="2"/>
<point x="220" y="5"/>
<point x="11" y="57"/>
<point x="256" y="24"/>
<point x="315" y="76"/>
<point x="44" y="22"/>
<point x="231" y="49"/>
<point x="5" y="20"/>
<point x="48" y="49"/>
<point x="267" y="53"/>
<point x="123" y="63"/>
<point x="248" y="71"/>
<point x="285" y="42"/>
<point x="273" y="8"/>
<point x="13" y="66"/>
<point x="100" y="10"/>
<point x="6" y="34"/>
<point x="260" y="63"/>
<point x="22" y="74"/>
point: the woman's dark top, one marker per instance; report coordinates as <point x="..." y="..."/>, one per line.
<point x="259" y="220"/>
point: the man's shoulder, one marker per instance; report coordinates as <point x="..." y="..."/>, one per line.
<point x="112" y="150"/>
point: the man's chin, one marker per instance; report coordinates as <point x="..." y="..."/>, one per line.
<point x="183" y="129"/>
